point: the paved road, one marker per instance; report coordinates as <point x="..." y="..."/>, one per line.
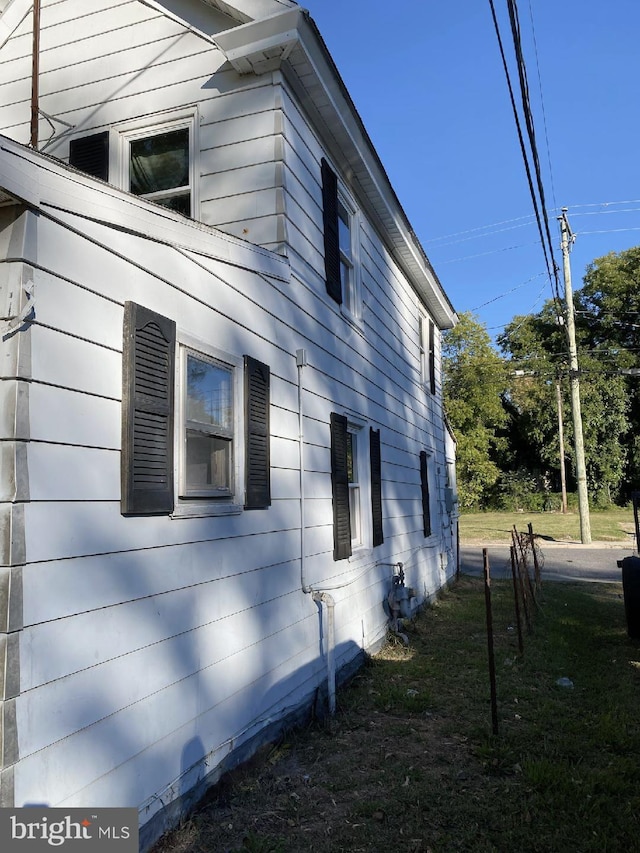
<point x="560" y="561"/>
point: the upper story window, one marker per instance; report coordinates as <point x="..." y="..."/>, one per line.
<point x="154" y="160"/>
<point x="427" y="343"/>
<point x="341" y="248"/>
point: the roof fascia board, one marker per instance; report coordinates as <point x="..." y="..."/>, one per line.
<point x="44" y="183"/>
<point x="12" y="17"/>
<point x="251" y="10"/>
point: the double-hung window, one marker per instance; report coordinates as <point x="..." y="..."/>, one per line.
<point x="356" y="487"/>
<point x="156" y="161"/>
<point x="195" y="438"/>
<point x="209" y="421"/>
<point x="427" y="343"/>
<point x="341" y="249"/>
<point x="158" y="166"/>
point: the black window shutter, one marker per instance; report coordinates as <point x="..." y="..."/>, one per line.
<point x="424" y="482"/>
<point x="90" y="154"/>
<point x="257" y="434"/>
<point x="340" y="488"/>
<point x="432" y="357"/>
<point x="376" y="486"/>
<point x="148" y="356"/>
<point x="331" y="236"/>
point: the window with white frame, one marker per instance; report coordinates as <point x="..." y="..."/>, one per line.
<point x="196" y="439"/>
<point x="349" y="273"/>
<point x="427" y="335"/>
<point x="353" y="475"/>
<point x="158" y="163"/>
<point x="208" y="427"/>
<point x="341" y="246"/>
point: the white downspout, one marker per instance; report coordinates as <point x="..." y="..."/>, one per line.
<point x="320" y="597"/>
<point x="331" y="643"/>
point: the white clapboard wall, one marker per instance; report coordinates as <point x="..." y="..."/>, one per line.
<point x="151" y="648"/>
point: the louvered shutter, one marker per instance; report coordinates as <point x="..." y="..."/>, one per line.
<point x="257" y="434"/>
<point x="147" y="412"/>
<point x="426" y="504"/>
<point x="331" y="234"/>
<point x="376" y="486"/>
<point x="90" y="154"/>
<point x="340" y="488"/>
<point x="432" y="357"/>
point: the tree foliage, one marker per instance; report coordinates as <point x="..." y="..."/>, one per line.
<point x="503" y="407"/>
<point x="475" y="380"/>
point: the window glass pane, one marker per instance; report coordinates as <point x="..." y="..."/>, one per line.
<point x="354" y="510"/>
<point x="180" y="203"/>
<point x="208" y="462"/>
<point x="351" y="458"/>
<point x="160" y="162"/>
<point x="344" y="230"/>
<point x="209" y="394"/>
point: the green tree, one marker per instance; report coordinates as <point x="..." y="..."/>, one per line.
<point x="474" y="382"/>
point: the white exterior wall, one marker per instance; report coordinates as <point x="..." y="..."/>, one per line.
<point x="140" y="652"/>
<point x="158" y="69"/>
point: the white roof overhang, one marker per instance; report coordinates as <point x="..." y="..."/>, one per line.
<point x="291" y="41"/>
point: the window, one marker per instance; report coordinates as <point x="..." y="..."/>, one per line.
<point x="158" y="168"/>
<point x="426" y="500"/>
<point x="352" y="485"/>
<point x="208" y="427"/>
<point x="156" y="162"/>
<point x="340" y="223"/>
<point x="354" y="488"/>
<point x="427" y="334"/>
<point x="348" y="271"/>
<point x="219" y="424"/>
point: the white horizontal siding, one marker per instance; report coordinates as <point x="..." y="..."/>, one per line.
<point x="151" y="642"/>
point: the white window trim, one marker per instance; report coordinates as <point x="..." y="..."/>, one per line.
<point x="355" y="312"/>
<point x="364" y="548"/>
<point x="122" y="135"/>
<point x="196" y="507"/>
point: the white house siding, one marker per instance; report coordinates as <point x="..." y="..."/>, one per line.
<point x="370" y="367"/>
<point x="142" y="651"/>
<point x="159" y="67"/>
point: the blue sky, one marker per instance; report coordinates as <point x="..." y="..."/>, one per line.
<point x="427" y="79"/>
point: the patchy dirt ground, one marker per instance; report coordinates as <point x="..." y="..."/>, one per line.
<point x="378" y="777"/>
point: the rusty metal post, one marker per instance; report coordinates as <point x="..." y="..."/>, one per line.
<point x="516" y="599"/>
<point x="518" y="540"/>
<point x="523" y="587"/>
<point x="536" y="566"/>
<point x="492" y="663"/>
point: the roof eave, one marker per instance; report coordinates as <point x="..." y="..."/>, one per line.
<point x="290" y="40"/>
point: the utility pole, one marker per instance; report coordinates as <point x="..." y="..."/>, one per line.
<point x="574" y="382"/>
<point x="563" y="476"/>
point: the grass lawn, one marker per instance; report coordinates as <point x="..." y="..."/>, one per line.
<point x="410" y="763"/>
<point x="609" y="525"/>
